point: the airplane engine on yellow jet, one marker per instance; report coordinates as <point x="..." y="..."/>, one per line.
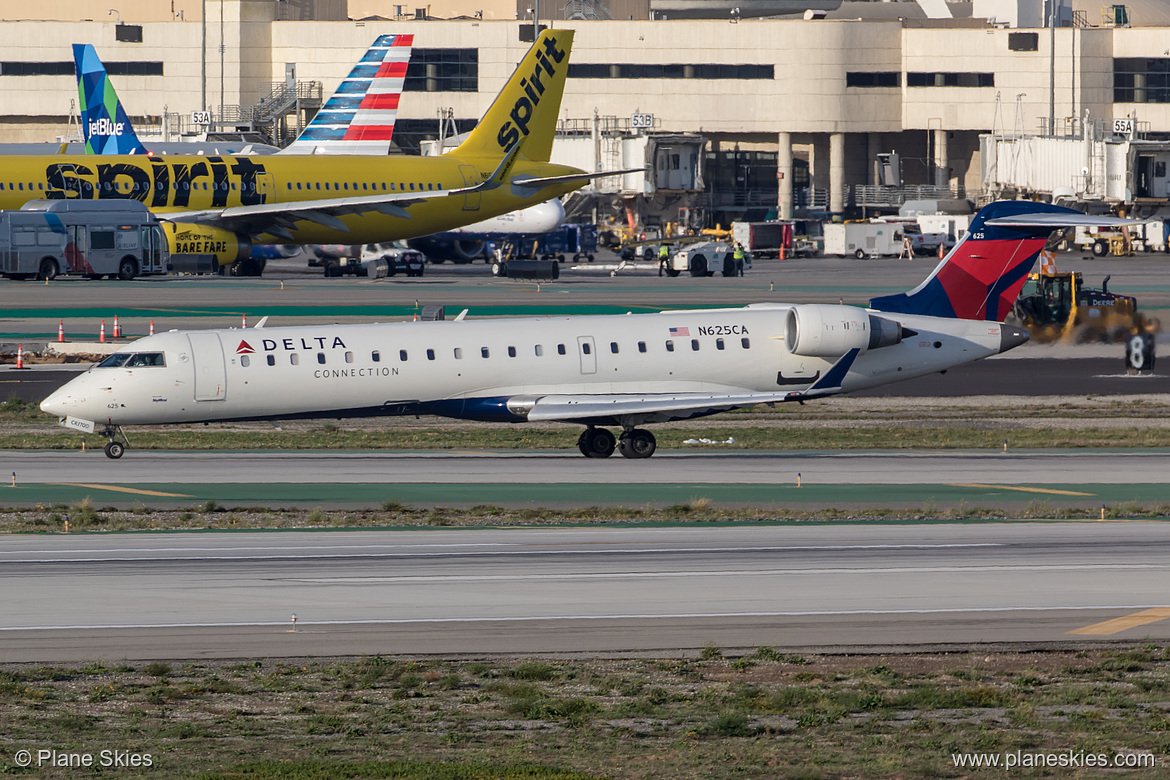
<point x="227" y="248"/>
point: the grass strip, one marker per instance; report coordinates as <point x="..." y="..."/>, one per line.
<point x="719" y="714"/>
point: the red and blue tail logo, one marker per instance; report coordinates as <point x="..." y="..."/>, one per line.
<point x="982" y="276"/>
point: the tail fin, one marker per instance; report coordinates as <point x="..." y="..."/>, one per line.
<point x="104" y="123"/>
<point x="982" y="276"/>
<point x="526" y="109"/>
<point x="359" y="117"/>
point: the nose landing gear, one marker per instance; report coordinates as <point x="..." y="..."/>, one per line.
<point x="114" y="448"/>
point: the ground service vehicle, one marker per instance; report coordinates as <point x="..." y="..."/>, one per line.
<point x="863" y="239"/>
<point x="1056" y="306"/>
<point x="706" y="258"/>
<point x="46" y="238"/>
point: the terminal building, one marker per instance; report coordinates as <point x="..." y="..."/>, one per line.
<point x="758" y="106"/>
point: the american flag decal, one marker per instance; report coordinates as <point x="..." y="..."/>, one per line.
<point x="680" y="332"/>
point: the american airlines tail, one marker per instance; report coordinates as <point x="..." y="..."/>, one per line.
<point x="982" y="276"/>
<point x="104" y="122"/>
<point x="359" y="117"/>
<point x="525" y="111"/>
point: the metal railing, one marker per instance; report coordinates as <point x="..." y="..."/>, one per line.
<point x="881" y="195"/>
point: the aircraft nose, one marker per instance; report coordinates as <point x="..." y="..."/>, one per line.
<point x="56" y="403"/>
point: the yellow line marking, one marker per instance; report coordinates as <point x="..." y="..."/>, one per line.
<point x="117" y="489"/>
<point x="1025" y="489"/>
<point x="1122" y="623"/>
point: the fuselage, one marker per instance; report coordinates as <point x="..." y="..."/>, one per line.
<point x="483" y="369"/>
<point x="171" y="185"/>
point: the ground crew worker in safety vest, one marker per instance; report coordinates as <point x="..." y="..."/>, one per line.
<point x="663" y="258"/>
<point x="738" y="257"/>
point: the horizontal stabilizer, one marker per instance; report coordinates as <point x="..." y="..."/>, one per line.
<point x="1055" y="221"/>
<point x="537" y="183"/>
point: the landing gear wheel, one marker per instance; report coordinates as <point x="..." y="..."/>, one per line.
<point x="114" y="450"/>
<point x="596" y="443"/>
<point x="637" y="443"/>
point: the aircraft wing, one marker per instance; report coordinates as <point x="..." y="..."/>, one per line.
<point x="278" y="218"/>
<point x="662" y="407"/>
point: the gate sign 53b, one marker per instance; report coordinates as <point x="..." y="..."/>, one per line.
<point x="642" y="121"/>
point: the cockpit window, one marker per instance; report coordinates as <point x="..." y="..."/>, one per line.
<point x="133" y="360"/>
<point x="115" y="360"/>
<point x="146" y="359"/>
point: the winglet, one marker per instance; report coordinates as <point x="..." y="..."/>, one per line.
<point x="104" y="124"/>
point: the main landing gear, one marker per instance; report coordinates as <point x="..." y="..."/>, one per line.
<point x="600" y="443"/>
<point x="114" y="448"/>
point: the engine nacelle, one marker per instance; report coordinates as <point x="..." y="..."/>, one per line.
<point x="827" y="331"/>
<point x="190" y="239"/>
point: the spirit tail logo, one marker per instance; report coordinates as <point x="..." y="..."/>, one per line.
<point x="525" y="111"/>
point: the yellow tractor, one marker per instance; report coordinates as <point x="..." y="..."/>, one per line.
<point x="1056" y="306"/>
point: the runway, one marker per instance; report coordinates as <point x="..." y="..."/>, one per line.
<point x="610" y="590"/>
<point x="563" y="478"/>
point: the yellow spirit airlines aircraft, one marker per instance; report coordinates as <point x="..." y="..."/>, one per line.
<point x="222" y="204"/>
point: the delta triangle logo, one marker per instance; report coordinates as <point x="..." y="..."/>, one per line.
<point x="244" y="349"/>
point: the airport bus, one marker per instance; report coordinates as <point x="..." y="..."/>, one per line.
<point x="47" y="238"/>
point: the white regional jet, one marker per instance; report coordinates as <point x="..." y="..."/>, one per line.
<point x="619" y="370"/>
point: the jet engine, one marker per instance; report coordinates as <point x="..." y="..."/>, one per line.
<point x="226" y="246"/>
<point x="814" y="330"/>
<point x="445" y="246"/>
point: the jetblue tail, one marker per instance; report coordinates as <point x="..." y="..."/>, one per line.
<point x="359" y="117"/>
<point x="104" y="122"/>
<point x="982" y="276"/>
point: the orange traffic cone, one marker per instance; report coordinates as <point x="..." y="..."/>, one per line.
<point x="152" y="327"/>
<point x="102" y="333"/>
<point x="942" y="251"/>
<point x="61" y="331"/>
<point x="117" y="330"/>
<point x="244" y="321"/>
<point x="20" y="355"/>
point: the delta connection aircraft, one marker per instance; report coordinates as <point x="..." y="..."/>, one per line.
<point x="619" y="370"/>
<point x="223" y="204"/>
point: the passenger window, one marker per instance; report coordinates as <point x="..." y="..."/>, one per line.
<point x="402" y="355"/>
<point x="244" y="361"/>
<point x="272" y="360"/>
<point x="321" y="358"/>
<point x="613" y="347"/>
<point x="483" y="351"/>
<point x="430" y="354"/>
<point x="348" y="357"/>
<point x="561" y="349"/>
<point x="669" y="345"/>
<point x="746" y="343"/>
<point x="511" y="352"/>
<point x="345" y="185"/>
<point x="695" y="345"/>
<point x="641" y="346"/>
<point x="718" y="343"/>
<point x="376" y="356"/>
<point x="458" y="353"/>
<point x="539" y="350"/>
<point x="585" y="348"/>
<point x="295" y="359"/>
<point x="298" y="185"/>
